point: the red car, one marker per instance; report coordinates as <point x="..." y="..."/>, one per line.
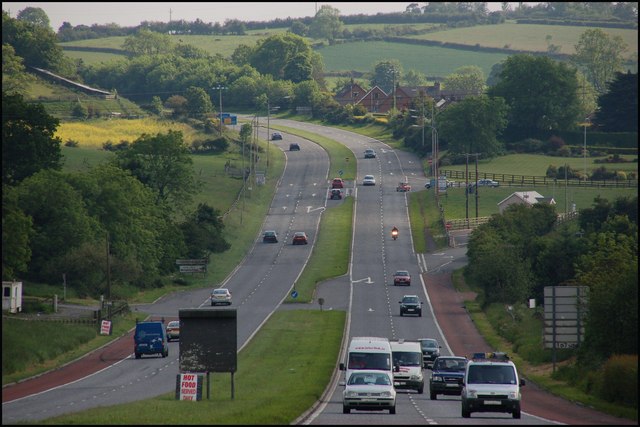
<point x="299" y="238"/>
<point x="337" y="183"/>
<point x="401" y="277"/>
<point x="403" y="187"/>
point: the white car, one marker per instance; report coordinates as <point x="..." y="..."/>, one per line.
<point x="220" y="296"/>
<point x="369" y="180"/>
<point x="369" y="390"/>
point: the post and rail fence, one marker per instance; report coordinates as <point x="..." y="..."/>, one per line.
<point x="510" y="180"/>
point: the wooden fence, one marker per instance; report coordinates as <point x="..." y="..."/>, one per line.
<point x="509" y="180"/>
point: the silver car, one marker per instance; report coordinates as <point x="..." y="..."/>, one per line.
<point x="220" y="296"/>
<point x="369" y="180"/>
<point x="369" y="390"/>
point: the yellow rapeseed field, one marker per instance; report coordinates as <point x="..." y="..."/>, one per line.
<point x="94" y="133"/>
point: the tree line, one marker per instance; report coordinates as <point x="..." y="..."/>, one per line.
<point x="56" y="222"/>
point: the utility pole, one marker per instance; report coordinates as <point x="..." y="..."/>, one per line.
<point x="268" y="133"/>
<point x="220" y="88"/>
<point x="475" y="184"/>
<point x="466" y="191"/>
<point x="108" y="271"/>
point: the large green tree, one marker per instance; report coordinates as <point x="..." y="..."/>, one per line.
<point x="147" y="42"/>
<point x="542" y="95"/>
<point x="126" y="209"/>
<point x="16" y="231"/>
<point x="326" y="24"/>
<point x="203" y="232"/>
<point x="37" y="44"/>
<point x="473" y="125"/>
<point x="15" y="79"/>
<point x="28" y="141"/>
<point x="610" y="270"/>
<point x="386" y="73"/>
<point x="468" y="79"/>
<point x="61" y="222"/>
<point x="163" y="163"/>
<point x="284" y="56"/>
<point x="198" y="102"/>
<point x="34" y="15"/>
<point x="600" y="55"/>
<point x="618" y="110"/>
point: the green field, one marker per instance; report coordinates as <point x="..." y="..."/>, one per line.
<point x="433" y="61"/>
<point x="430" y="60"/>
<point x="536" y="165"/>
<point x="223" y="45"/>
<point x="527" y="37"/>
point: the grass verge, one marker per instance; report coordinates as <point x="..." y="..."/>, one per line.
<point x="270" y="388"/>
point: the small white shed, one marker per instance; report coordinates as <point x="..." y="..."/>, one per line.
<point x="12" y="296"/>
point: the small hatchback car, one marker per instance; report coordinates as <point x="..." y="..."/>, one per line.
<point x="369" y="153"/>
<point x="430" y="350"/>
<point x="173" y="330"/>
<point x="337" y="183"/>
<point x="369" y="180"/>
<point x="294" y="147"/>
<point x="335" y="194"/>
<point x="401" y="277"/>
<point x="369" y="390"/>
<point x="276" y="136"/>
<point x="220" y="296"/>
<point x="299" y="238"/>
<point x="270" y="236"/>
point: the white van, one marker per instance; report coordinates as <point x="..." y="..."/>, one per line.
<point x="367" y="353"/>
<point x="407" y="362"/>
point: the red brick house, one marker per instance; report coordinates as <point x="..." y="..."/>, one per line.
<point x="350" y="94"/>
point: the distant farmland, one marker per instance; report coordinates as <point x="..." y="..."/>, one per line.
<point x="528" y="37"/>
<point x="432" y="61"/>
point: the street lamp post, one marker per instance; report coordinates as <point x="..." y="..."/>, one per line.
<point x="587" y="121"/>
<point x="220" y="88"/>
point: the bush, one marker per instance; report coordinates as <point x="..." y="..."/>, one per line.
<point x="617" y="380"/>
<point x="529" y="145"/>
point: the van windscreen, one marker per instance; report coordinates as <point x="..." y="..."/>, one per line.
<point x="379" y="361"/>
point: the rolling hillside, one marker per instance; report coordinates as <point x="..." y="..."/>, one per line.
<point x="360" y="56"/>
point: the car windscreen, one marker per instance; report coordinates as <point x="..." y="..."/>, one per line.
<point x="369" y="378"/>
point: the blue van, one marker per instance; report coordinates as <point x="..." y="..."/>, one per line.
<point x="150" y="338"/>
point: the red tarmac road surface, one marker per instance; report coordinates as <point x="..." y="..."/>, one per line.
<point x="448" y="305"/>
<point x="93" y="362"/>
